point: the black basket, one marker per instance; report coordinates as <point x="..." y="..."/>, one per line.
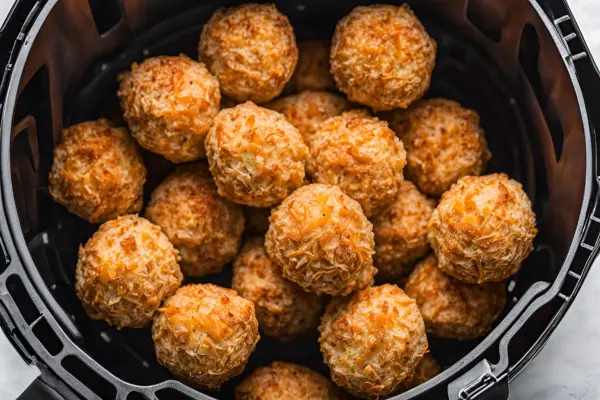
<point x="521" y="64"/>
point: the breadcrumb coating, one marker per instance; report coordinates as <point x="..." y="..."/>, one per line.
<point x="205" y="228"/>
<point x="204" y="334"/>
<point x="381" y="56"/>
<point x="251" y="49"/>
<point x="255" y="155"/>
<point x="322" y="241"/>
<point x="169" y="103"/>
<point x="97" y="172"/>
<point x="483" y="229"/>
<point x="372" y="340"/>
<point x="125" y="271"/>
<point x="453" y="309"/>
<point x="362" y="156"/>
<point x="313" y="69"/>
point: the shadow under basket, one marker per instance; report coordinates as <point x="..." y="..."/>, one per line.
<point x="520" y="64"/>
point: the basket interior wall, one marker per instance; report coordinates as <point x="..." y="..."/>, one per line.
<point x="495" y="56"/>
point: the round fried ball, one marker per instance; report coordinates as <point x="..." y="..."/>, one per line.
<point x="97" y="172"/>
<point x="205" y="228"/>
<point x="426" y="369"/>
<point x="282" y="380"/>
<point x="362" y="156"/>
<point x="401" y="232"/>
<point x="444" y="142"/>
<point x="453" y="309"/>
<point x="169" y="103"/>
<point x="322" y="241"/>
<point x="381" y="56"/>
<point x="204" y="334"/>
<point x="257" y="220"/>
<point x="283" y="309"/>
<point x="255" y="155"/>
<point x="313" y="69"/>
<point x="251" y="49"/>
<point x="309" y="109"/>
<point x="372" y="340"/>
<point x="125" y="271"/>
<point x="483" y="229"/>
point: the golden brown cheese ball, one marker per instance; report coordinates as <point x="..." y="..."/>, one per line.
<point x="251" y="49"/>
<point x="401" y="232"/>
<point x="322" y="241"/>
<point x="309" y="109"/>
<point x="313" y="69"/>
<point x="283" y="309"/>
<point x="255" y="155"/>
<point x="205" y="228"/>
<point x="426" y="369"/>
<point x="97" y="172"/>
<point x="125" y="271"/>
<point x="362" y="156"/>
<point x="453" y="309"/>
<point x="444" y="142"/>
<point x="381" y="56"/>
<point x="282" y="380"/>
<point x="483" y="229"/>
<point x="169" y="103"/>
<point x="372" y="340"/>
<point x="204" y="334"/>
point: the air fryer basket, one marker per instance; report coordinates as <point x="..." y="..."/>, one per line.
<point x="518" y="63"/>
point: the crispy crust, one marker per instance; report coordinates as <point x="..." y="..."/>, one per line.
<point x="453" y="309"/>
<point x="401" y="232"/>
<point x="444" y="142"/>
<point x="362" y="156"/>
<point x="169" y="103"/>
<point x="372" y="340"/>
<point x="307" y="110"/>
<point x="125" y="271"/>
<point x="281" y="380"/>
<point x="283" y="309"/>
<point x="255" y="155"/>
<point x="97" y="172"/>
<point x="381" y="56"/>
<point x="322" y="241"/>
<point x="313" y="69"/>
<point x="251" y="49"/>
<point x="205" y="228"/>
<point x="483" y="229"/>
<point x="204" y="334"/>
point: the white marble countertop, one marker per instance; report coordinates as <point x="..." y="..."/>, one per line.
<point x="568" y="368"/>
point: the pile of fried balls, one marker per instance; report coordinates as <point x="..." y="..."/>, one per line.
<point x="348" y="179"/>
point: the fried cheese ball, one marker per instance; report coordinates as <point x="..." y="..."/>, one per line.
<point x="321" y="240"/>
<point x="453" y="309"/>
<point x="283" y="309"/>
<point x="251" y="49"/>
<point x="401" y="232"/>
<point x="309" y="109"/>
<point x="125" y="271"/>
<point x="204" y="334"/>
<point x="97" y="172"/>
<point x="205" y="228"/>
<point x="483" y="229"/>
<point x="372" y="340"/>
<point x="362" y="156"/>
<point x="381" y="56"/>
<point x="313" y="69"/>
<point x="444" y="142"/>
<point x="257" y="220"/>
<point x="255" y="155"/>
<point x="426" y="369"/>
<point x="169" y="103"/>
<point x="282" y="380"/>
